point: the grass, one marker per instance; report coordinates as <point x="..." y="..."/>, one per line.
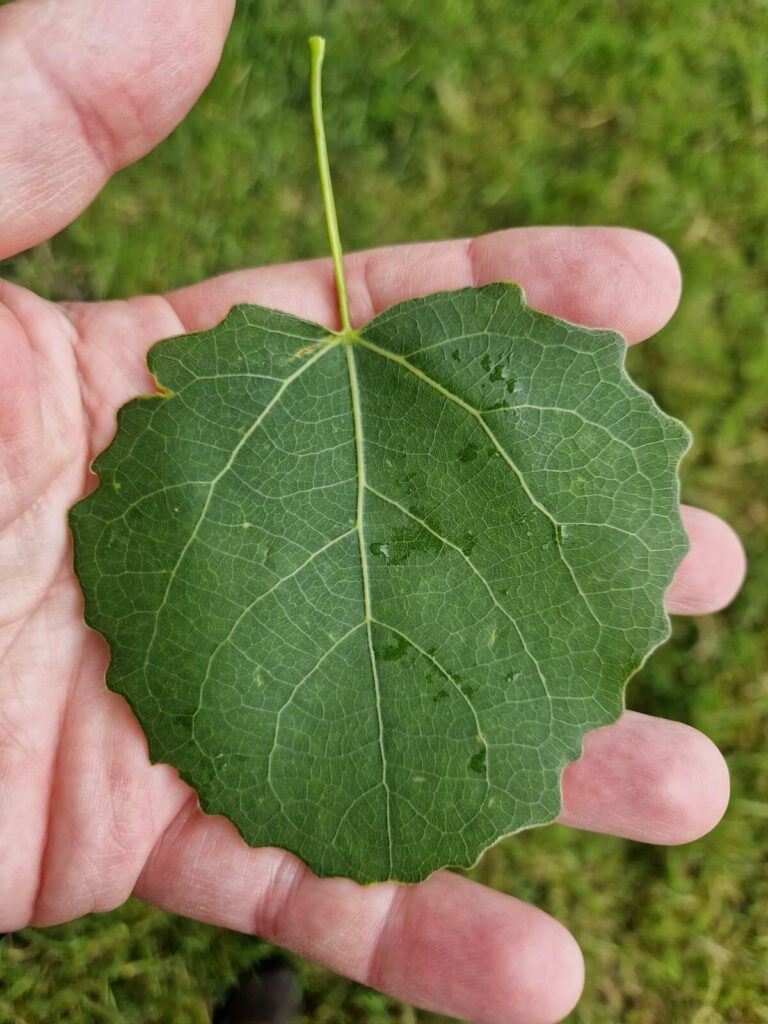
<point x="466" y="116"/>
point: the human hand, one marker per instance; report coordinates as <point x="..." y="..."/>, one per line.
<point x="85" y="820"/>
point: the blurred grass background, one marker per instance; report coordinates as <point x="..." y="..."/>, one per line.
<point x="465" y="116"/>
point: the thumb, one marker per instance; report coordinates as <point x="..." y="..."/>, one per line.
<point x="89" y="87"/>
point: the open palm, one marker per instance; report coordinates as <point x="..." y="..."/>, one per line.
<point x="85" y="819"/>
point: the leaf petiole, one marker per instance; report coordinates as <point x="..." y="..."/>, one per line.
<point x="317" y="52"/>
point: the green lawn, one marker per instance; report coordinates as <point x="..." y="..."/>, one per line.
<point x="466" y="116"/>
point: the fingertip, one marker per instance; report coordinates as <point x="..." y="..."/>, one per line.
<point x="692" y="795"/>
<point x="455" y="947"/>
<point x="565" y="995"/>
<point x="660" y="282"/>
<point x="544" y="975"/>
<point x="603" y="277"/>
<point x="711" y="574"/>
<point x="648" y="779"/>
<point x="632" y="283"/>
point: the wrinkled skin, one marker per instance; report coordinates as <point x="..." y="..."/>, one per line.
<point x="85" y="820"/>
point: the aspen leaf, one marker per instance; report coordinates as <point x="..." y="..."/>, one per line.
<point x="367" y="590"/>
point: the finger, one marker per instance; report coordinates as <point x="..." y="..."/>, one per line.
<point x="611" y="277"/>
<point x="602" y="277"/>
<point x="649" y="779"/>
<point x="711" y="574"/>
<point x="87" y="91"/>
<point x="448" y="945"/>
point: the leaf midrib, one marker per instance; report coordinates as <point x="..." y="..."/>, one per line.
<point x="357" y="422"/>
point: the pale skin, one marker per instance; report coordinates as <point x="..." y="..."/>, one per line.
<point x="85" y="819"/>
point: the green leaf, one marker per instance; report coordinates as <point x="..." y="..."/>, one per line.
<point x="368" y="592"/>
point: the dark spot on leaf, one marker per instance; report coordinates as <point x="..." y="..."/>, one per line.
<point x="468" y="452"/>
<point x="477" y="762"/>
<point x="499" y="371"/>
<point x="395" y="650"/>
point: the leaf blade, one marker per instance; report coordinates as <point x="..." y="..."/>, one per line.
<point x="448" y="607"/>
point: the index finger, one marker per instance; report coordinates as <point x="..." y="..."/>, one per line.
<point x="618" y="278"/>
